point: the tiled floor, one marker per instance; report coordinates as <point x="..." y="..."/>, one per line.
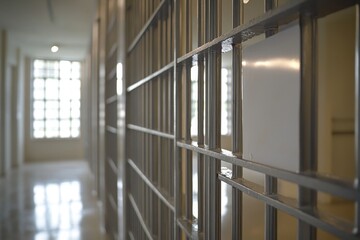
<point x="49" y="201"/>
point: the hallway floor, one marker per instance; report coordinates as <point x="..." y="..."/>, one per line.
<point x="49" y="201"/>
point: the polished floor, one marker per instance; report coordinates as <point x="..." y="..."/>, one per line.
<point x="50" y="201"/>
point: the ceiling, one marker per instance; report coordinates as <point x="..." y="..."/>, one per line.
<point x="36" y="25"/>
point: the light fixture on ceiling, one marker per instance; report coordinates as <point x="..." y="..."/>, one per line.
<point x="246" y="1"/>
<point x="54" y="49"/>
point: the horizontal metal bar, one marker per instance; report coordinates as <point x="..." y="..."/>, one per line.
<point x="111" y="75"/>
<point x="111" y="99"/>
<point x="279" y="16"/>
<point x="111" y="129"/>
<point x="139" y="216"/>
<point x="150" y="77"/>
<point x="341" y="228"/>
<point x="115" y="236"/>
<point x="112" y="202"/>
<point x="189" y="229"/>
<point x="150" y="131"/>
<point x="112" y="165"/>
<point x="146" y="26"/>
<point x="112" y="50"/>
<point x="313" y="181"/>
<point x="161" y="194"/>
<point x="131" y="236"/>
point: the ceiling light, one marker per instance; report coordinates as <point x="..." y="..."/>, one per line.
<point x="246" y="1"/>
<point x="54" y="49"/>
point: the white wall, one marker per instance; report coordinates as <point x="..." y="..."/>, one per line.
<point x="39" y="150"/>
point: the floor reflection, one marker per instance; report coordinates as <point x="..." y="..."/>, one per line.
<point x="49" y="201"/>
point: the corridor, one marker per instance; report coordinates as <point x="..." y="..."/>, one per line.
<point x="49" y="201"/>
<point x="180" y="119"/>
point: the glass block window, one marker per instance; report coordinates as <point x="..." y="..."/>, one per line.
<point x="56" y="99"/>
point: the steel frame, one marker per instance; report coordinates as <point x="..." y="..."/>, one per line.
<point x="160" y="146"/>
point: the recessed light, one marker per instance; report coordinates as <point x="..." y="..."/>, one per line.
<point x="54" y="49"/>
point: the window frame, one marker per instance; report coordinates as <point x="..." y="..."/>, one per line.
<point x="32" y="100"/>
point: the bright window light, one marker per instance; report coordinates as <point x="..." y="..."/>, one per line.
<point x="56" y="99"/>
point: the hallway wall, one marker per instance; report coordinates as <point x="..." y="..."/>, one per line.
<point x="6" y="102"/>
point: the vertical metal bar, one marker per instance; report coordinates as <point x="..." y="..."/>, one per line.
<point x="189" y="188"/>
<point x="150" y="49"/>
<point x="165" y="146"/>
<point x="150" y="142"/>
<point x="357" y="116"/>
<point x="270" y="182"/>
<point x="177" y="121"/>
<point x="308" y="118"/>
<point x="237" y="131"/>
<point x="270" y="212"/>
<point x="213" y="102"/>
<point x="200" y="117"/>
<point x="159" y="149"/>
<point x="206" y="122"/>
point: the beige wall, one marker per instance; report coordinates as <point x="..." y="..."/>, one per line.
<point x="337" y="94"/>
<point x="46" y="150"/>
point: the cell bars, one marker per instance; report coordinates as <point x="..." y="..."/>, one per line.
<point x="111" y="167"/>
<point x="175" y="177"/>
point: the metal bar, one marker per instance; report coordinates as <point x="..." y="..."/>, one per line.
<point x="237" y="131"/>
<point x="112" y="165"/>
<point x="147" y="155"/>
<point x="282" y="15"/>
<point x="270" y="212"/>
<point x="343" y="229"/>
<point x="325" y="184"/>
<point x="189" y="180"/>
<point x="165" y="144"/>
<point x="189" y="229"/>
<point x="177" y="121"/>
<point x="149" y="131"/>
<point x="152" y="204"/>
<point x="308" y="118"/>
<point x="111" y="99"/>
<point x="201" y="176"/>
<point x="112" y="202"/>
<point x="213" y="108"/>
<point x="150" y="77"/>
<point x="357" y="118"/>
<point x="111" y="129"/>
<point x="140" y="218"/>
<point x="270" y="182"/>
<point x="146" y="26"/>
<point x="160" y="193"/>
<point x="131" y="236"/>
<point x="157" y="124"/>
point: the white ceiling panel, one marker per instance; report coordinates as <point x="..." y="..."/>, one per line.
<point x="31" y="27"/>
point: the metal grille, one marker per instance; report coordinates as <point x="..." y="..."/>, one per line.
<point x="175" y="180"/>
<point x="111" y="100"/>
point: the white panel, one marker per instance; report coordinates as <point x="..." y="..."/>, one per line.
<point x="271" y="99"/>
